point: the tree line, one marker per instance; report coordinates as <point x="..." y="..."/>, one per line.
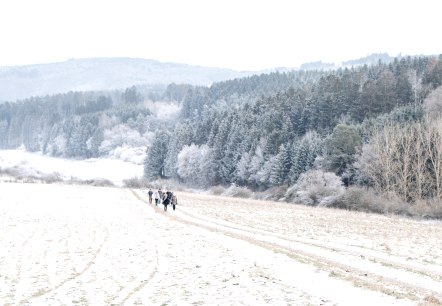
<point x="74" y="124"/>
<point x="259" y="132"/>
<point x="236" y="133"/>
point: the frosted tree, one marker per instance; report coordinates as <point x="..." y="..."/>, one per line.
<point x="93" y="143"/>
<point x="256" y="163"/>
<point x="195" y="165"/>
<point x="316" y="187"/>
<point x="242" y="169"/>
<point x="280" y="166"/>
<point x="263" y="175"/>
<point x="220" y="149"/>
<point x="154" y="165"/>
<point x="83" y="129"/>
<point x="232" y="152"/>
<point x="132" y="96"/>
<point x="188" y="161"/>
<point x="207" y="167"/>
<point x="182" y="135"/>
<point x="341" y="148"/>
<point x="303" y="154"/>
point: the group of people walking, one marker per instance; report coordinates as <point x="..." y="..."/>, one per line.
<point x="163" y="197"/>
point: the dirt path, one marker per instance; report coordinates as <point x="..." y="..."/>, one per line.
<point x="80" y="245"/>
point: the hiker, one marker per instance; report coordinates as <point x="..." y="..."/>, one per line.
<point x="157" y="198"/>
<point x="160" y="196"/>
<point x="169" y="195"/>
<point x="174" y="201"/>
<point x="150" y="193"/>
<point x="166" y="200"/>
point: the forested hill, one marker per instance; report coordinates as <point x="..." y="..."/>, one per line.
<point x="20" y="82"/>
<point x="257" y="122"/>
<point x="372" y="126"/>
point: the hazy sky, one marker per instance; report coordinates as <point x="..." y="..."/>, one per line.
<point x="239" y="34"/>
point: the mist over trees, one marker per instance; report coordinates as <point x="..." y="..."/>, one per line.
<point x="375" y="127"/>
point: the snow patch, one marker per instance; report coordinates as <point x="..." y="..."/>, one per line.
<point x="36" y="164"/>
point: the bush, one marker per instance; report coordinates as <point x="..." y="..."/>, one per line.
<point x="237" y="192"/>
<point x="14" y="172"/>
<point x="136" y="182"/>
<point x="217" y="190"/>
<point x="431" y="209"/>
<point x="101" y="183"/>
<point x="272" y="194"/>
<point x="362" y="199"/>
<point x="315" y="187"/>
<point x="54" y="177"/>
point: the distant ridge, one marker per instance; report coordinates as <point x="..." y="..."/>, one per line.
<point x="18" y="82"/>
<point x="371" y="59"/>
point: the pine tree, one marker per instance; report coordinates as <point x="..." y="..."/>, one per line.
<point x="281" y="166"/>
<point x="342" y="147"/>
<point x="182" y="136"/>
<point x="242" y="169"/>
<point x="154" y="165"/>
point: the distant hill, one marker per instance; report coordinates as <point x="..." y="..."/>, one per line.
<point x="372" y="59"/>
<point x="93" y="74"/>
<point x="319" y="65"/>
<point x="18" y="82"/>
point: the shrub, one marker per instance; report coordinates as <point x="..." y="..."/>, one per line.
<point x="272" y="194"/>
<point x="315" y="187"/>
<point x="237" y="192"/>
<point x="431" y="209"/>
<point x="30" y="180"/>
<point x="136" y="182"/>
<point x="54" y="177"/>
<point x="363" y="199"/>
<point x="217" y="190"/>
<point x="14" y="172"/>
<point x="101" y="183"/>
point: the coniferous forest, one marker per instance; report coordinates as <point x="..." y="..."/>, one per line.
<point x="365" y="138"/>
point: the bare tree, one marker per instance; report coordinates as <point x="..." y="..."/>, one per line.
<point x="433" y="103"/>
<point x="406" y="160"/>
<point x="432" y="138"/>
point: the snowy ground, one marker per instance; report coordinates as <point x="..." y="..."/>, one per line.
<point x="82" y="245"/>
<point x="37" y="165"/>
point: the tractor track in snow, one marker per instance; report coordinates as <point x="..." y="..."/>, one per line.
<point x="431" y="271"/>
<point x="134" y="287"/>
<point x="42" y="292"/>
<point x="362" y="269"/>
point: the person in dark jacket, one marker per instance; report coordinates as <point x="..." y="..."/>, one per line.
<point x="166" y="199"/>
<point x="157" y="198"/>
<point x="150" y="193"/>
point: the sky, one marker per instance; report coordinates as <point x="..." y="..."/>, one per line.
<point x="237" y="34"/>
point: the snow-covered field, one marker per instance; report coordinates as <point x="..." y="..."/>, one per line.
<point x="36" y="165"/>
<point x="83" y="245"/>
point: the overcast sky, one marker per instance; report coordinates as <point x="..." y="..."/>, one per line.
<point x="238" y="34"/>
